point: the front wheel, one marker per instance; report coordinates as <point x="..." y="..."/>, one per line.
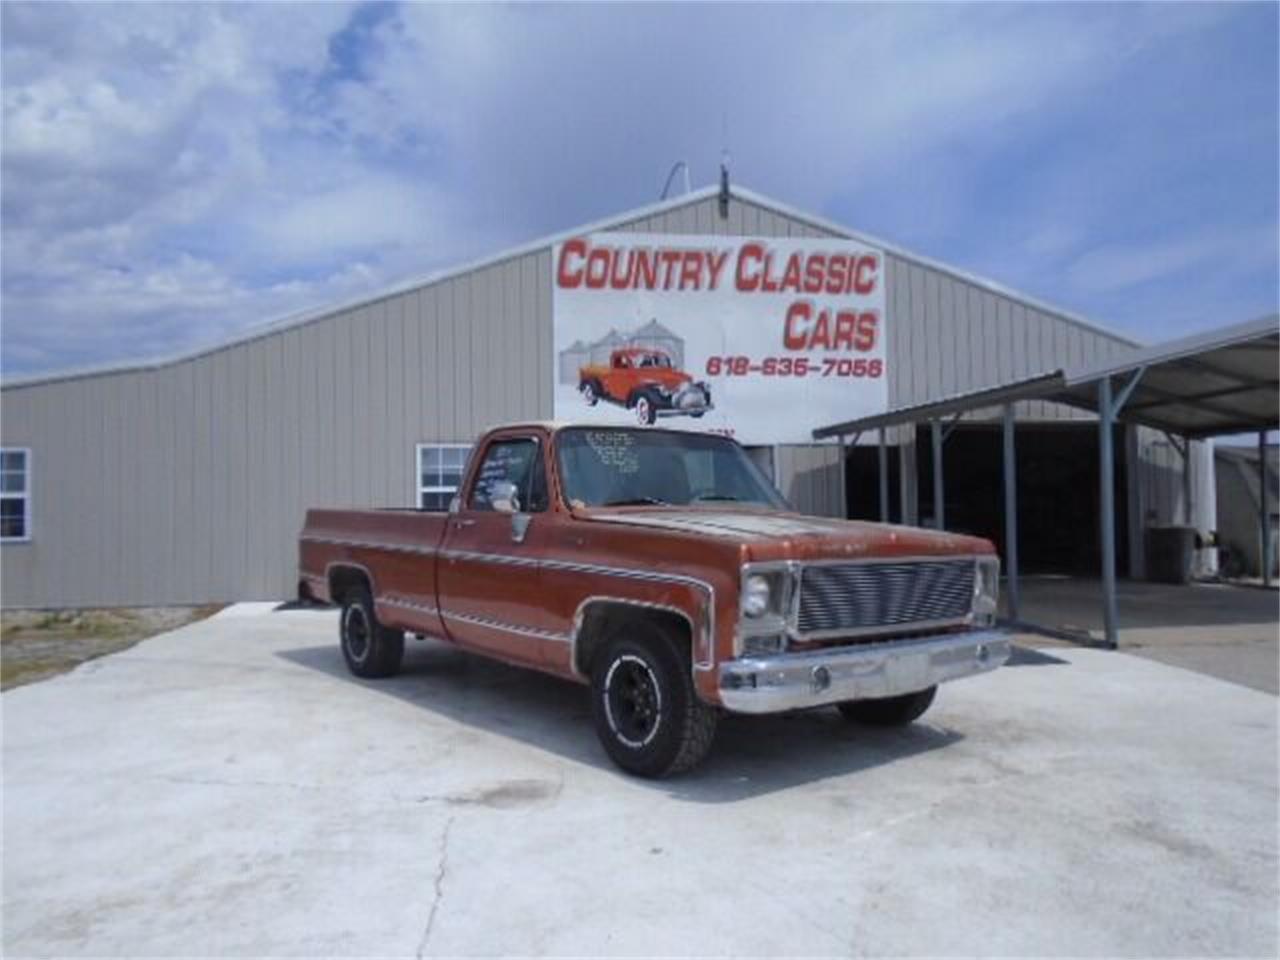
<point x="589" y="394"/>
<point x="370" y="649"/>
<point x="889" y="711"/>
<point x="647" y="714"/>
<point x="646" y="413"/>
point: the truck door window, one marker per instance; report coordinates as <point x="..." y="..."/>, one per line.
<point x="517" y="462"/>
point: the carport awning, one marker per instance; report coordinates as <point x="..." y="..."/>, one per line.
<point x="1210" y="384"/>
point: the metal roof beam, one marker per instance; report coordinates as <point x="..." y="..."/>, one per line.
<point x="1169" y="398"/>
<point x="1034" y="388"/>
<point x="1194" y="398"/>
<point x="1217" y="371"/>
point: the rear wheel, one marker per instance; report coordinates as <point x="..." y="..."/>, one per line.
<point x="889" y="711"/>
<point x="590" y="395"/>
<point x="370" y="649"/>
<point x="647" y="714"/>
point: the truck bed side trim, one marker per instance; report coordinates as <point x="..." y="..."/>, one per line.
<point x="370" y="544"/>
<point x="704" y="651"/>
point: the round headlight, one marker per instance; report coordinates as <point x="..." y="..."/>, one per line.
<point x="755" y="596"/>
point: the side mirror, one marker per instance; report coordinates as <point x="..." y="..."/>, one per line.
<point x="520" y="526"/>
<point x="504" y="498"/>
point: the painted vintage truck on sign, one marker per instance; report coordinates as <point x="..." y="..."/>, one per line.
<point x="662" y="569"/>
<point x="645" y="381"/>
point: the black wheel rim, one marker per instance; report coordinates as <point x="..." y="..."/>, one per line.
<point x="632" y="700"/>
<point x="355" y="632"/>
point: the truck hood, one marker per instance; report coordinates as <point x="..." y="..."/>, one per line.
<point x="776" y="535"/>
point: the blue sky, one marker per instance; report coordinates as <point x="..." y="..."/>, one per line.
<point x="173" y="174"/>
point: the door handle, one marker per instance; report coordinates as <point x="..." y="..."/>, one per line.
<point x="460" y="524"/>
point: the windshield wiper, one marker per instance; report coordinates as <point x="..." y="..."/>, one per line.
<point x="714" y="496"/>
<point x="635" y="502"/>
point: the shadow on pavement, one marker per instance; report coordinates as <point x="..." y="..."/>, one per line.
<point x="1030" y="657"/>
<point x="752" y="756"/>
<point x="1074" y="605"/>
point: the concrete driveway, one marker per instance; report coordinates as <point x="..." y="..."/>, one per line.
<point x="1229" y="631"/>
<point x="228" y="789"/>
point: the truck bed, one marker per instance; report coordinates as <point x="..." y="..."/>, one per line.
<point x="399" y="544"/>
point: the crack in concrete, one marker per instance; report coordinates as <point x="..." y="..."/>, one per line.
<point x="219" y="782"/>
<point x="441" y="869"/>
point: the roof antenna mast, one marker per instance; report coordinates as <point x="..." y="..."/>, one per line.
<point x="724" y="165"/>
<point x="678" y="165"/>
<point x="724" y="184"/>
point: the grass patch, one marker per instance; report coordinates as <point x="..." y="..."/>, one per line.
<point x="38" y="644"/>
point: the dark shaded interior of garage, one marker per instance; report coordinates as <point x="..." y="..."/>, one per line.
<point x="1057" y="491"/>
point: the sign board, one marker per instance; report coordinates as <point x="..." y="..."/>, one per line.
<point x="762" y="339"/>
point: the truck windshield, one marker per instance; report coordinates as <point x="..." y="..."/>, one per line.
<point x="602" y="467"/>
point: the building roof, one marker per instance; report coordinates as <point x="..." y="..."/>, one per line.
<point x="654" y="329"/>
<point x="310" y="315"/>
<point x="1209" y="384"/>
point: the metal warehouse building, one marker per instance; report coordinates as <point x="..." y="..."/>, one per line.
<point x="185" y="480"/>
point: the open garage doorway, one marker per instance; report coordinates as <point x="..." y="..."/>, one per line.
<point x="1057" y="491"/>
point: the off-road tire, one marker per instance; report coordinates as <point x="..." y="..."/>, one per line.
<point x="645" y="408"/>
<point x="590" y="391"/>
<point x="889" y="711"/>
<point x="680" y="734"/>
<point x="370" y="649"/>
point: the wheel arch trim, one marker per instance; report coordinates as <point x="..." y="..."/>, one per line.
<point x="333" y="565"/>
<point x="580" y="617"/>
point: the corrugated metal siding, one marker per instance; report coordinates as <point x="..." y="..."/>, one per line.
<point x="811" y="479"/>
<point x="948" y="336"/>
<point x="188" y="483"/>
<point x="1161" y="493"/>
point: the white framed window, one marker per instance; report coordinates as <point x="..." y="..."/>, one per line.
<point x="440" y="469"/>
<point x="15" y="494"/>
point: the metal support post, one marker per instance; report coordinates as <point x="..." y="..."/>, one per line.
<point x="1183" y="448"/>
<point x="1010" y="513"/>
<point x="939" y="521"/>
<point x="1264" y="519"/>
<point x="884" y="479"/>
<point x="1106" y="514"/>
<point x="908" y="475"/>
<point x="1186" y="482"/>
<point x="844" y="477"/>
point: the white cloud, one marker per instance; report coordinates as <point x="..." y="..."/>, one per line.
<point x="186" y="170"/>
<point x="1113" y="267"/>
<point x="365" y="212"/>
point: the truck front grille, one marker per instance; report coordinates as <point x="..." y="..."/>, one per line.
<point x="862" y="598"/>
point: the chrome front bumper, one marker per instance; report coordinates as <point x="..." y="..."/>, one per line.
<point x="798" y="680"/>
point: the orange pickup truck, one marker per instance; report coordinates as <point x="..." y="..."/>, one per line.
<point x="662" y="569"/>
<point x="644" y="380"/>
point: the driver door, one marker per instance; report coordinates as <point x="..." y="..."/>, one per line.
<point x="488" y="574"/>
